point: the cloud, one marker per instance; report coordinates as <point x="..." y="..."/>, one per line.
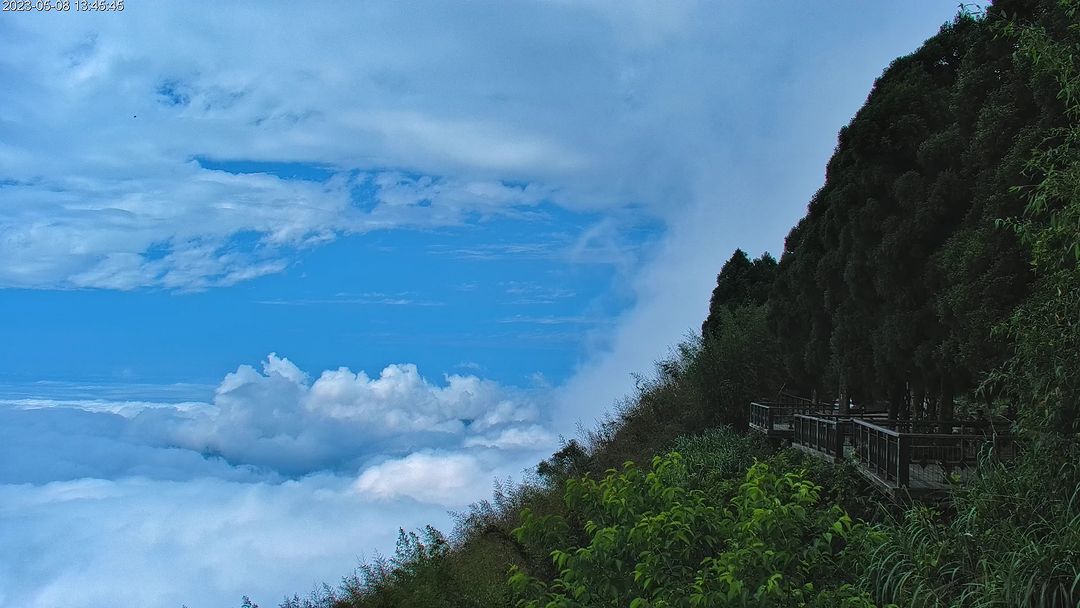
<point x="210" y="228"/>
<point x="531" y="293"/>
<point x="551" y="320"/>
<point x="527" y="438"/>
<point x="140" y="542"/>
<point x="118" y="137"/>
<point x="158" y="503"/>
<point x="264" y="425"/>
<point x="125" y="195"/>
<point x="364" y="299"/>
<point x="435" y="478"/>
<point x="497" y="251"/>
<point x="280" y="420"/>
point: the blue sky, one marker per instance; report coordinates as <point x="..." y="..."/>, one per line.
<point x="275" y="281"/>
<point x="509" y="296"/>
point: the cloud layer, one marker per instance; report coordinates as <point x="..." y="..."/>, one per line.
<point x="271" y="424"/>
<point x="188" y="149"/>
<point x="142" y="542"/>
<point x="277" y="483"/>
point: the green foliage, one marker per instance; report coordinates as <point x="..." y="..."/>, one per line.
<point x="652" y="542"/>
<point x="705" y="383"/>
<point x="841" y="482"/>
<point x="1013" y="539"/>
<point x="740" y="283"/>
<point x="1045" y="330"/>
<point x="716" y="461"/>
<point x="425" y="570"/>
<point x="571" y="460"/>
<point x="737" y="363"/>
<point x="418" y="574"/>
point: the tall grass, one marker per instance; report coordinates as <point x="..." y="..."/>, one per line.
<point x="1010" y="537"/>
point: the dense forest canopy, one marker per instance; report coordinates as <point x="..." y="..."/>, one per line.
<point x="889" y="289"/>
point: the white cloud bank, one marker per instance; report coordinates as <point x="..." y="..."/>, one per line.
<point x="92" y="543"/>
<point x="279" y="483"/>
<point x="270" y="424"/>
<point x="112" y="127"/>
<point x="111" y="130"/>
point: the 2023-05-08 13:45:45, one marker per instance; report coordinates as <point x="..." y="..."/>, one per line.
<point x="62" y="6"/>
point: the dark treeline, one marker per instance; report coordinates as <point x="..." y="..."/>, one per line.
<point x="936" y="273"/>
<point x="889" y="287"/>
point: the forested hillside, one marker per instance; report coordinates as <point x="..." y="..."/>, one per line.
<point x="937" y="273"/>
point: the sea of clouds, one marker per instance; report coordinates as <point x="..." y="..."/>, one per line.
<point x="262" y="488"/>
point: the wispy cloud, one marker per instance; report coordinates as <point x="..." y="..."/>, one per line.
<point x="553" y="320"/>
<point x="531" y="293"/>
<point x="365" y="299"/>
<point x="498" y="251"/>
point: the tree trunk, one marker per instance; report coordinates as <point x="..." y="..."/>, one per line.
<point x="945" y="410"/>
<point x="896" y="398"/>
<point x="844" y="398"/>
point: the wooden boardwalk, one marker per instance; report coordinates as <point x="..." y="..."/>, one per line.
<point x="776" y="418"/>
<point x="908" y="459"/>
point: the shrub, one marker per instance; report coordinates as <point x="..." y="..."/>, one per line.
<point x="716" y="460"/>
<point x="651" y="542"/>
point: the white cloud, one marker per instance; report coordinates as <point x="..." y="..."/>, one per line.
<point x="103" y="122"/>
<point x="205" y="542"/>
<point x="529" y="438"/>
<point x="442" y="113"/>
<point x="445" y="479"/>
<point x="265" y="425"/>
<point x="280" y="482"/>
<point x="278" y="419"/>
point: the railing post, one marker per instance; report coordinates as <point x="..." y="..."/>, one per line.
<point x="857" y="441"/>
<point x="903" y="459"/>
<point x="837" y="439"/>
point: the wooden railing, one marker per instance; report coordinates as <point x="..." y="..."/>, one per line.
<point x="828" y="434"/>
<point x="822" y="433"/>
<point x="760" y="416"/>
<point x="777" y="417"/>
<point x="924" y="453"/>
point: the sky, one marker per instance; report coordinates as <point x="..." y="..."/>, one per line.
<point x="277" y="279"/>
